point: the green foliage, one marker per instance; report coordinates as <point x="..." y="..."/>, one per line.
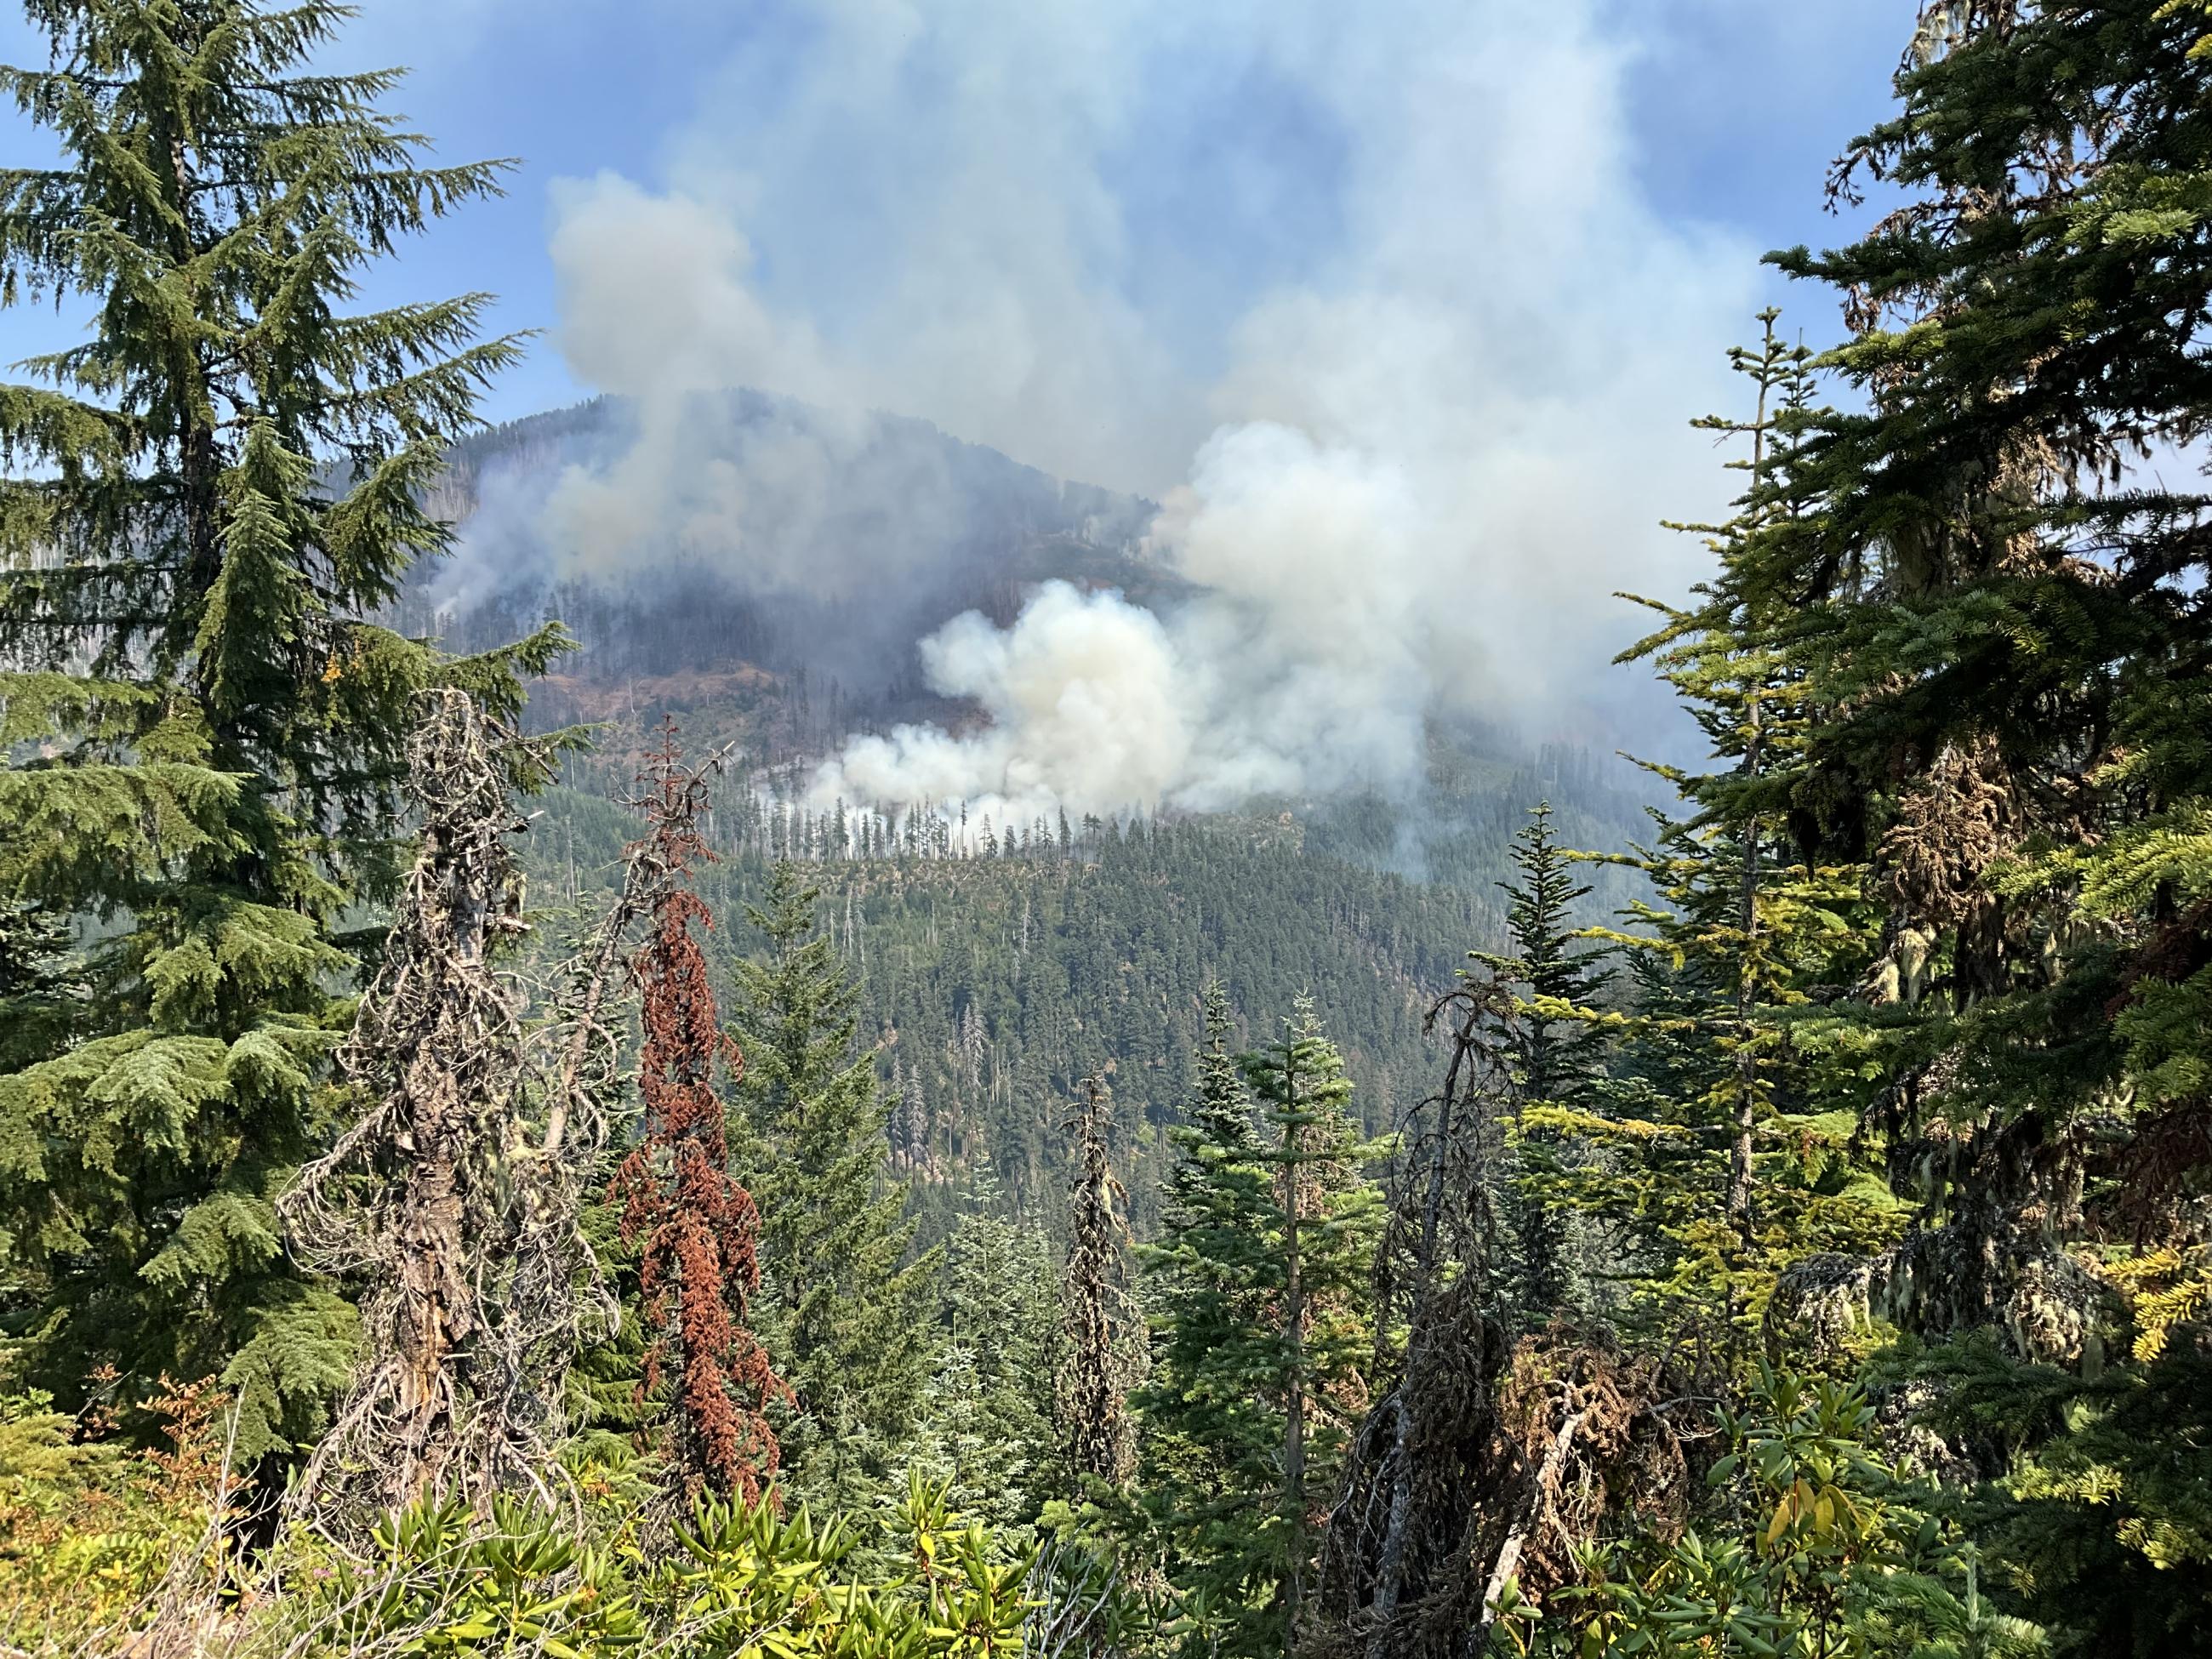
<point x="1726" y="1143"/>
<point x="1995" y="610"/>
<point x="988" y="986"/>
<point x="749" y="1581"/>
<point x="435" y="1580"/>
<point x="2101" y="1524"/>
<point x="1208" y="1479"/>
<point x="988" y="1432"/>
<point x="1818" y="1547"/>
<point x="1558" y="1038"/>
<point x="844" y="1305"/>
<point x="2002" y="627"/>
<point x="1910" y="1026"/>
<point x="740" y="1580"/>
<point x="91" y="1527"/>
<point x="202" y="502"/>
<point x="1262" y="1335"/>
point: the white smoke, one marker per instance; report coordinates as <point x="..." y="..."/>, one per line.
<point x="1404" y="465"/>
<point x="1088" y="699"/>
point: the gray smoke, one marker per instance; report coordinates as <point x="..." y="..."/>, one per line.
<point x="1417" y="457"/>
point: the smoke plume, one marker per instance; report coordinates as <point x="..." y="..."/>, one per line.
<point x="1368" y="297"/>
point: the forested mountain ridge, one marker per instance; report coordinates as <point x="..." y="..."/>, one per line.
<point x="812" y="550"/>
<point x="991" y="984"/>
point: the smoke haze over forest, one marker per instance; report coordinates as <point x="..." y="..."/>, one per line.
<point x="1405" y="356"/>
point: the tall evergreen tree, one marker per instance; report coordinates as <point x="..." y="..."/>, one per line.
<point x="845" y="1313"/>
<point x="1737" y="1145"/>
<point x="1209" y="1476"/>
<point x="203" y="503"/>
<point x="2000" y="613"/>
<point x="989" y="1431"/>
<point x="1258" y="1292"/>
<point x="1558" y="1043"/>
<point x="1328" y="1214"/>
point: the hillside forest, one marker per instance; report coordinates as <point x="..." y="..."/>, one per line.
<point x="488" y="1166"/>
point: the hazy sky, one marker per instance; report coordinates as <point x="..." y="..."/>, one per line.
<point x="1734" y="108"/>
<point x="1401" y="309"/>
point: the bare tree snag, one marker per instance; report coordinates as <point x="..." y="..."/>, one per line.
<point x="1428" y="1466"/>
<point x="461" y="1217"/>
<point x="1094" y="1384"/>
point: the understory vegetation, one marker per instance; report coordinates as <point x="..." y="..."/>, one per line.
<point x="683" y="1222"/>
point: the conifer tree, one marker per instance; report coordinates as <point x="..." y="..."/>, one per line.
<point x="1734" y="1143"/>
<point x="988" y="1429"/>
<point x="416" y="1190"/>
<point x="38" y="995"/>
<point x="1261" y="1333"/>
<point x="1998" y="615"/>
<point x="695" y="1227"/>
<point x="1557" y="1040"/>
<point x="844" y="1315"/>
<point x="454" y="1199"/>
<point x="204" y="500"/>
<point x="1328" y="1216"/>
<point x="1209" y="1473"/>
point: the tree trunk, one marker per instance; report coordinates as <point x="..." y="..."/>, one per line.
<point x="1390" y="1564"/>
<point x="434" y="1322"/>
<point x="1508" y="1555"/>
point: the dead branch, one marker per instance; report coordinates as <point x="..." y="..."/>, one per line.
<point x="455" y="1194"/>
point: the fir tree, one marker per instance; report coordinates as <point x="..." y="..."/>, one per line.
<point x="1732" y="1136"/>
<point x="1999" y="616"/>
<point x="1261" y="1333"/>
<point x="205" y="499"/>
<point x="1328" y="1217"/>
<point x="843" y="1312"/>
<point x="1209" y="1475"/>
<point x="988" y="1431"/>
<point x="39" y="995"/>
<point x="1558" y="1044"/>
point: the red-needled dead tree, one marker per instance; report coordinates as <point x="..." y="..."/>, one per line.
<point x="694" y="1228"/>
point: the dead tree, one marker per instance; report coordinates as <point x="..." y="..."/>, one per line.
<point x="694" y="1225"/>
<point x="1492" y="1457"/>
<point x="455" y="1191"/>
<point x="1412" y="1510"/>
<point x="1095" y="1379"/>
